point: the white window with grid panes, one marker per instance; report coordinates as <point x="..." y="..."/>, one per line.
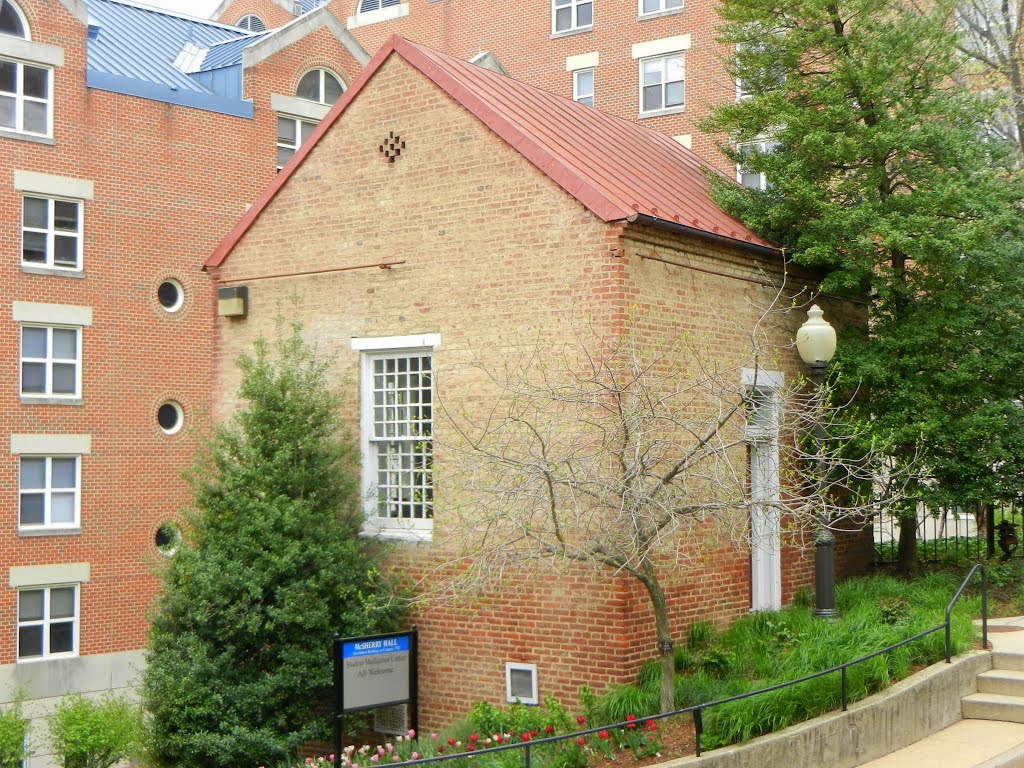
<point x="51" y="233"/>
<point x="583" y="86"/>
<point x="397" y="389"/>
<point x="745" y="175"/>
<point x="571" y="15"/>
<point x="51" y="361"/>
<point x="662" y="84"/>
<point x="26" y="102"/>
<point x="47" y="622"/>
<point x="291" y="134"/>
<point x="654" y="7"/>
<point x="48" y="492"/>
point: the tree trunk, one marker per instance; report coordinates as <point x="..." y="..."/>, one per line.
<point x="663" y="632"/>
<point x="906" y="552"/>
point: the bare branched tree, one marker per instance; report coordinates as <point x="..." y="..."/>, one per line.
<point x="637" y="457"/>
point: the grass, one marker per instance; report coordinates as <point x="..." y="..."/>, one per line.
<point x="764" y="649"/>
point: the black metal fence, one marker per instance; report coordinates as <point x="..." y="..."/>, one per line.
<point x="954" y="533"/>
<point x="697" y="711"/>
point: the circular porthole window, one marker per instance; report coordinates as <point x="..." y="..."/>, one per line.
<point x="170" y="295"/>
<point x="167" y="538"/>
<point x="170" y="417"/>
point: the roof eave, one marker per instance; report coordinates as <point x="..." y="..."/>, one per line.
<point x="703" y="234"/>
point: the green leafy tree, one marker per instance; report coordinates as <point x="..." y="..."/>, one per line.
<point x="94" y="733"/>
<point x="270" y="566"/>
<point x="881" y="182"/>
<point x="13" y="732"/>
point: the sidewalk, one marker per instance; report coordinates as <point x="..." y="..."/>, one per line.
<point x="970" y="743"/>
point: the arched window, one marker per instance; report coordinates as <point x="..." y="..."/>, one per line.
<point x="365" y="6"/>
<point x="251" y="22"/>
<point x="320" y="86"/>
<point x="11" y="21"/>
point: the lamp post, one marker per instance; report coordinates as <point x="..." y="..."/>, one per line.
<point x="816" y="343"/>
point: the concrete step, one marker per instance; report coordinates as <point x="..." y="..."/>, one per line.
<point x="993" y="706"/>
<point x="1004" y="660"/>
<point x="1009" y="682"/>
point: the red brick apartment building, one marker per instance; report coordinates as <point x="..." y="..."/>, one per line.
<point x="131" y="140"/>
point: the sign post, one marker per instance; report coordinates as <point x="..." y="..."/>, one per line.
<point x="373" y="671"/>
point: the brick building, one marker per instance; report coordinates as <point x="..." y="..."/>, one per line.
<point x="441" y="216"/>
<point x="653" y="61"/>
<point x="131" y="140"/>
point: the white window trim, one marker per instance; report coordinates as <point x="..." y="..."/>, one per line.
<point x="20" y="99"/>
<point x="322" y="73"/>
<point x="673" y="110"/>
<point x="298" y="136"/>
<point x="762" y="177"/>
<point x="378" y="15"/>
<point x="48" y="524"/>
<point x="511" y="666"/>
<point x="76" y="624"/>
<point x="576" y="95"/>
<point x="51" y="233"/>
<point x="641" y="14"/>
<point x="50" y="396"/>
<point x="371" y="348"/>
<point x="574" y="27"/>
<point x="24" y="22"/>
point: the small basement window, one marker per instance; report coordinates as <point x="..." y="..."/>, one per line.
<point x="521" y="683"/>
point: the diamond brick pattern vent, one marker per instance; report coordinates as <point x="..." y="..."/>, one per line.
<point x="392" y="146"/>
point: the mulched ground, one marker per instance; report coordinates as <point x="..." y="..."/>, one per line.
<point x="677" y="738"/>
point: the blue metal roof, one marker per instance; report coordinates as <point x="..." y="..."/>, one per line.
<point x="228" y="53"/>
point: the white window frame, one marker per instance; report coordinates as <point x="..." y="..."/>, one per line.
<point x="661" y="11"/>
<point x="51" y="232"/>
<point x="49" y="362"/>
<point x="373" y="350"/>
<point x="46" y="622"/>
<point x="323" y="73"/>
<point x="48" y="491"/>
<point x="577" y="94"/>
<point x="664" y="60"/>
<point x="246" y="23"/>
<point x="377" y="11"/>
<point x="763" y="145"/>
<point x="510" y="667"/>
<point x="574" y="9"/>
<point x="24" y="22"/>
<point x="299" y="122"/>
<point x="20" y="99"/>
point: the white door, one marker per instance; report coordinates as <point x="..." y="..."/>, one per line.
<point x="765" y="529"/>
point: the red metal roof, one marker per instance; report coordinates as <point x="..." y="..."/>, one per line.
<point x="616" y="168"/>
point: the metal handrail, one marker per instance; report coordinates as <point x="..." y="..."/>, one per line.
<point x="698" y="709"/>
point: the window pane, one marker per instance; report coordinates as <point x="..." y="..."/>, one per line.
<point x="65" y="344"/>
<point x="8" y="77"/>
<point x="674" y="68"/>
<point x="62" y="602"/>
<point x="588" y="101"/>
<point x="65" y="215"/>
<point x="33" y="473"/>
<point x="309" y="86"/>
<point x="62" y="508"/>
<point x="673" y="3"/>
<point x="284" y="154"/>
<point x="307" y="130"/>
<point x="64" y="379"/>
<point x="33" y="342"/>
<point x="62" y="473"/>
<point x="652" y="98"/>
<point x="37" y="82"/>
<point x="652" y="72"/>
<point x="36" y="212"/>
<point x="10" y="23"/>
<point x="650" y="6"/>
<point x="8" y="114"/>
<point x="33" y="247"/>
<point x="584" y="14"/>
<point x="585" y="83"/>
<point x="286" y="130"/>
<point x="62" y="637"/>
<point x="65" y="251"/>
<point x="563" y="19"/>
<point x="33" y="511"/>
<point x="674" y="94"/>
<point x="36" y="117"/>
<point x="332" y="88"/>
<point x="30" y="605"/>
<point x="30" y="642"/>
<point x="521" y="684"/>
<point x="33" y="378"/>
